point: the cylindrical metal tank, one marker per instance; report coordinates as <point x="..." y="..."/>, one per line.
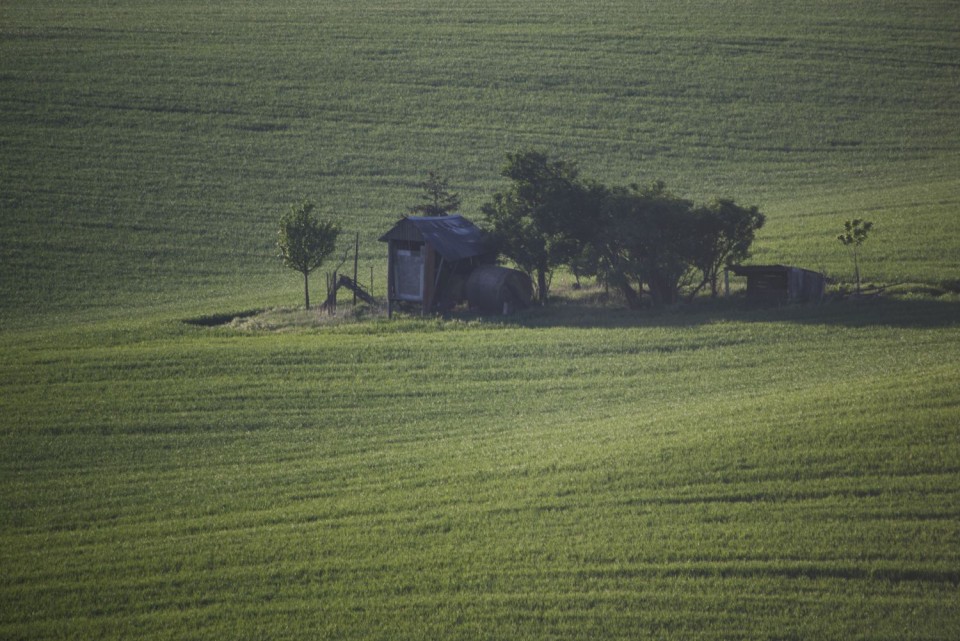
<point x="498" y="290"/>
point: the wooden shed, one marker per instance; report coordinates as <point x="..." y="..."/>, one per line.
<point x="429" y="259"/>
<point x="782" y="283"/>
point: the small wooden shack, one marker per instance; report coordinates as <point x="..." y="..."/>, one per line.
<point x="430" y="258"/>
<point x="782" y="283"/>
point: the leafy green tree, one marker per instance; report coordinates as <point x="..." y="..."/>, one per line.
<point x="438" y="200"/>
<point x="638" y="240"/>
<point x="854" y="235"/>
<point x="516" y="236"/>
<point x="647" y="243"/>
<point x="305" y="242"/>
<point x="611" y="250"/>
<point x="723" y="233"/>
<point x="535" y="221"/>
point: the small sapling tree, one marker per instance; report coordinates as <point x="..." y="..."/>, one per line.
<point x="305" y="242"/>
<point x="855" y="233"/>
<point x="438" y="200"/>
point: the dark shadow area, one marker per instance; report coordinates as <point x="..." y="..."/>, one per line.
<point x="216" y="320"/>
<point x="595" y="311"/>
<point x="906" y="312"/>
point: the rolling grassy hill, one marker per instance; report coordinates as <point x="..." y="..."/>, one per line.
<point x="579" y="472"/>
<point x="149" y="148"/>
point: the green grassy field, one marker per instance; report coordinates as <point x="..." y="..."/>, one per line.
<point x="711" y="472"/>
<point x="148" y="148"/>
<point x="782" y="474"/>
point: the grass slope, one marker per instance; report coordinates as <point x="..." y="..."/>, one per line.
<point x="709" y="472"/>
<point x="149" y="147"/>
<point x="787" y="474"/>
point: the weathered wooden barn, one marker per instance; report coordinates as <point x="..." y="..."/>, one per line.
<point x="782" y="283"/>
<point x="430" y="258"/>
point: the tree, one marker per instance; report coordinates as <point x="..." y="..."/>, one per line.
<point x="305" y="242"/>
<point x="855" y="233"/>
<point x="723" y="233"/>
<point x="639" y="240"/>
<point x="534" y="223"/>
<point x="438" y="199"/>
<point x="647" y="240"/>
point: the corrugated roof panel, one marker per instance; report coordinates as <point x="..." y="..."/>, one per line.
<point x="453" y="237"/>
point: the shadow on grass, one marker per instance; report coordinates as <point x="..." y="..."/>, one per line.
<point x="216" y="320"/>
<point x="592" y="312"/>
<point x="907" y="312"/>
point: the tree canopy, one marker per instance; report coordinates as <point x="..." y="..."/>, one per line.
<point x="640" y="240"/>
<point x="724" y="232"/>
<point x="533" y="222"/>
<point x="438" y="200"/>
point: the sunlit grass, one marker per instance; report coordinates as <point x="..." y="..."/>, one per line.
<point x="715" y="472"/>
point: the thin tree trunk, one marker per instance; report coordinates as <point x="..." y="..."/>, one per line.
<point x="630" y="294"/>
<point x="542" y="285"/>
<point x="306" y="288"/>
<point x="707" y="280"/>
<point x="856" y="270"/>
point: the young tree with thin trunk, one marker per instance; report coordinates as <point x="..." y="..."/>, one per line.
<point x="305" y="242"/>
<point x="855" y="233"/>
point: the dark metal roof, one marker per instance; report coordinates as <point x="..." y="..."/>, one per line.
<point x="747" y="270"/>
<point x="453" y="237"/>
